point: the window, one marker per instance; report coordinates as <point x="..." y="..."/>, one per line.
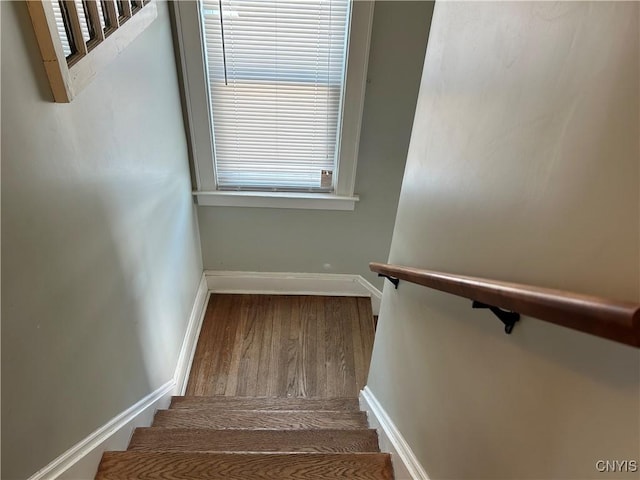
<point x="78" y="37"/>
<point x="274" y="106"/>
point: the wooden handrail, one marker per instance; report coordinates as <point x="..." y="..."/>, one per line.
<point x="615" y="320"/>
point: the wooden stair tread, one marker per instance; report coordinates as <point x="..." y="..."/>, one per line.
<point x="243" y="466"/>
<point x="259" y="419"/>
<point x="210" y="440"/>
<point x="283" y="346"/>
<point x="266" y="403"/>
<point x="295" y="365"/>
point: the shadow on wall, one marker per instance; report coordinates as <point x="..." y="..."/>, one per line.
<point x="603" y="361"/>
<point x="100" y="254"/>
<point x="486" y="388"/>
<point x="70" y="333"/>
<point x="86" y="332"/>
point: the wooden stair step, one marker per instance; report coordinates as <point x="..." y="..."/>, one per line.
<point x="266" y="403"/>
<point x="233" y="440"/>
<point x="243" y="466"/>
<point x="260" y="419"/>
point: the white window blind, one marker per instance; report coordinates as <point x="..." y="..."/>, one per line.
<point x="62" y="32"/>
<point x="276" y="73"/>
<point x="63" y="26"/>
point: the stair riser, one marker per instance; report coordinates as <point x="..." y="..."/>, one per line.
<point x="207" y="440"/>
<point x="187" y="466"/>
<point x="260" y="420"/>
<point x="264" y="403"/>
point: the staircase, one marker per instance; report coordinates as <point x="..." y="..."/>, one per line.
<point x="248" y="438"/>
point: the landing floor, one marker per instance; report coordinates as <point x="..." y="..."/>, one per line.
<point x="279" y="346"/>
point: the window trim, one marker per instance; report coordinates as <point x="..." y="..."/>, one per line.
<point x="304" y="200"/>
<point x="200" y="128"/>
<point x="68" y="77"/>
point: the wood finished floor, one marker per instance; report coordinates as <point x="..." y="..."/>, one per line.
<point x="283" y="346"/>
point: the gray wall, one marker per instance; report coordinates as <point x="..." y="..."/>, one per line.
<point x="260" y="239"/>
<point x="100" y="251"/>
<point x="523" y="166"/>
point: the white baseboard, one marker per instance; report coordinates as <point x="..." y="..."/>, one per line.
<point x="190" y="341"/>
<point x="81" y="461"/>
<point x="405" y="464"/>
<point x="281" y="283"/>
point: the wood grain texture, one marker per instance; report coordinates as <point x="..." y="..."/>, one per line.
<point x="363" y="332"/>
<point x="265" y="403"/>
<point x="268" y="419"/>
<point x="272" y="394"/>
<point x="606" y="318"/>
<point x="243" y="466"/>
<point x="283" y="346"/>
<point x="210" y="440"/>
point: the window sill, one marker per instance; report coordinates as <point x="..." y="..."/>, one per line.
<point x="309" y="201"/>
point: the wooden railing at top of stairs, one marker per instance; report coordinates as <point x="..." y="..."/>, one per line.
<point x="611" y="319"/>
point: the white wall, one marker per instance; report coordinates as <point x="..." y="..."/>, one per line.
<point x="100" y="251"/>
<point x="523" y="166"/>
<point x="261" y="239"/>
